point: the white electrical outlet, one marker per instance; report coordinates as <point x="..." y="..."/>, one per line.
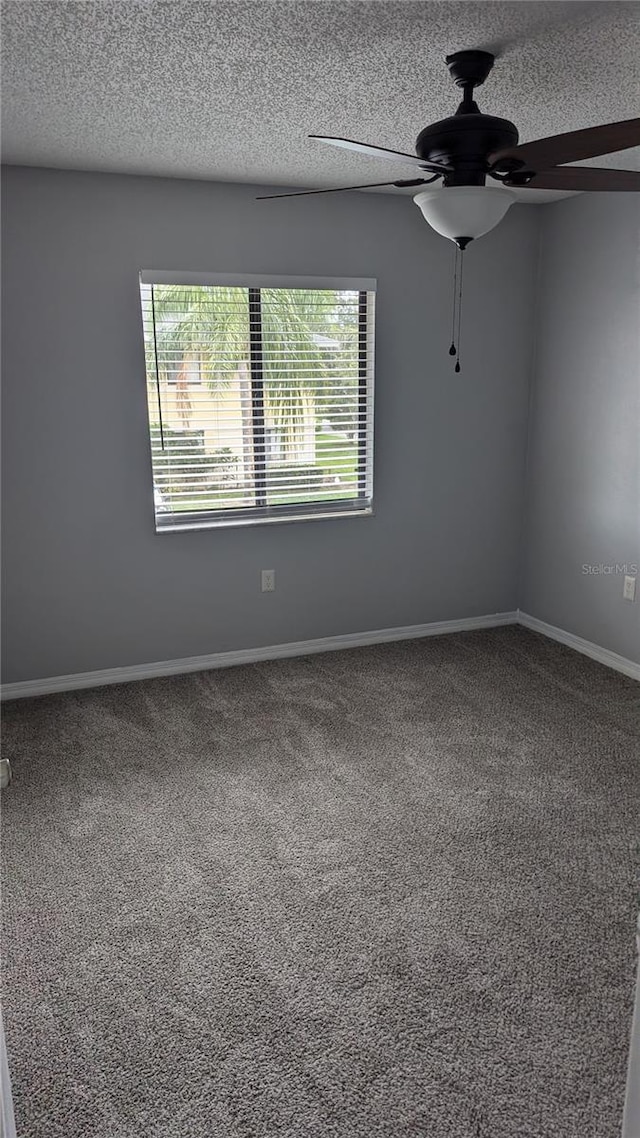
<point x="629" y="589"/>
<point x="268" y="578"/>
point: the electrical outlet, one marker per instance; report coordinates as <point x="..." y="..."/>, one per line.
<point x="268" y="578"/>
<point x="629" y="589"/>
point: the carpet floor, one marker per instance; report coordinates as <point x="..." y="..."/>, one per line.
<point x="378" y="893"/>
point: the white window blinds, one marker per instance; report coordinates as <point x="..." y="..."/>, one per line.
<point x="260" y="397"/>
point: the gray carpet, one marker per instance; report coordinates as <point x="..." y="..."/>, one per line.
<point x="377" y="893"/>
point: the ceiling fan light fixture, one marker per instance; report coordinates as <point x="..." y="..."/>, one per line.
<point x="463" y="213"/>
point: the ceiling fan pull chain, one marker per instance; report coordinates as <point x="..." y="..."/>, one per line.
<point x="459" y="334"/>
<point x="452" y="349"/>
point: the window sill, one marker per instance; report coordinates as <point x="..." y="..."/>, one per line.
<point x="246" y="523"/>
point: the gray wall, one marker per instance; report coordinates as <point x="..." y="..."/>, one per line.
<point x="584" y="442"/>
<point x="87" y="582"/>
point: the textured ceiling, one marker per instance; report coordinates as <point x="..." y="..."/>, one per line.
<point x="229" y="91"/>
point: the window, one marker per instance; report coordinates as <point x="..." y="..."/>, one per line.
<point x="260" y="397"/>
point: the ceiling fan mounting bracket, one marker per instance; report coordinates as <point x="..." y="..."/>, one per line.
<point x="470" y="68"/>
<point x="507" y="167"/>
<point x="519" y="178"/>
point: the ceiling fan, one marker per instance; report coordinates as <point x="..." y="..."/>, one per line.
<point x="469" y="146"/>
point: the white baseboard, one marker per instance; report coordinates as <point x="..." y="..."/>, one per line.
<point x="602" y="655"/>
<point x="51" y="684"/>
<point x="122" y="675"/>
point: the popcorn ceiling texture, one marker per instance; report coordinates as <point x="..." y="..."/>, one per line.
<point x="229" y="91"/>
<point x="384" y="893"/>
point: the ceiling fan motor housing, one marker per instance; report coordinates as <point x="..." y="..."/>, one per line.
<point x="464" y="142"/>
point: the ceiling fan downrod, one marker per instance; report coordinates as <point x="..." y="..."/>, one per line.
<point x="469" y="69"/>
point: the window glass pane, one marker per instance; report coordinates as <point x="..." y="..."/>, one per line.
<point x="202" y="458"/>
<point x="311" y="388"/>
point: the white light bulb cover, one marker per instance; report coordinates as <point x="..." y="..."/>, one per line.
<point x="464" y="211"/>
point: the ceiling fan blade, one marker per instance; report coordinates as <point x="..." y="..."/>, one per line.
<point x="582" y="178"/>
<point x="379" y="152"/>
<point x="341" y="189"/>
<point x="574" y="146"/>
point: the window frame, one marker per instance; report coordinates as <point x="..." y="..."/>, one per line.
<point x="261" y="513"/>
